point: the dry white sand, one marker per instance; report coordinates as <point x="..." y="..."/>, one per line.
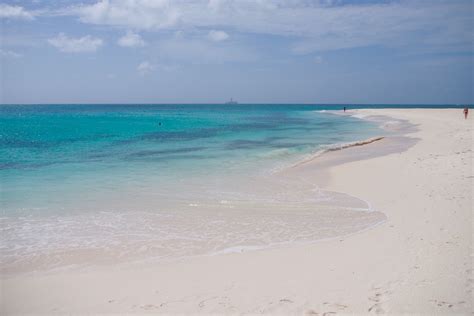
<point x="418" y="261"/>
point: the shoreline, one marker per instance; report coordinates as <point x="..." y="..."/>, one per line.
<point x="372" y="270"/>
<point x="71" y="259"/>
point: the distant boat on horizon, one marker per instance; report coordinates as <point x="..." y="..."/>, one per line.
<point x="231" y="101"/>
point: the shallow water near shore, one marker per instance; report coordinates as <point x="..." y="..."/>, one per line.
<point x="85" y="185"/>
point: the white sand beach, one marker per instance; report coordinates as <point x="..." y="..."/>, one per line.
<point x="419" y="260"/>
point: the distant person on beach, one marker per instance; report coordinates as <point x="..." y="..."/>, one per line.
<point x="466" y="111"/>
<point x="344" y="109"/>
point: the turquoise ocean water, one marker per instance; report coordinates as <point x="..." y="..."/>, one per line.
<point x="49" y="153"/>
<point x="94" y="167"/>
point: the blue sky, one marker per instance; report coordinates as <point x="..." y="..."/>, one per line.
<point x="198" y="51"/>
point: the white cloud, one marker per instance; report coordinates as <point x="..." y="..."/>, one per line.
<point x="145" y="68"/>
<point x="217" y="36"/>
<point x="15" y="12"/>
<point x="9" y="54"/>
<point x="85" y="44"/>
<point x="312" y="25"/>
<point x="137" y="14"/>
<point x="131" y="39"/>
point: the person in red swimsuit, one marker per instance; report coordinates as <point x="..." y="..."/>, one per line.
<point x="466" y="111"/>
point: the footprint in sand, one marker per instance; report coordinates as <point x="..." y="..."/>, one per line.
<point x="447" y="304"/>
<point x="377" y="306"/>
<point x="286" y="300"/>
<point x="272" y="307"/>
<point x="378" y="299"/>
<point x="334" y="308"/>
<point x="148" y="307"/>
<point x="214" y="302"/>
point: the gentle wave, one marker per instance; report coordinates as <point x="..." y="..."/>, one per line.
<point x="42" y="243"/>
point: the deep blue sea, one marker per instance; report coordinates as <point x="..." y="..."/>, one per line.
<point x="67" y="169"/>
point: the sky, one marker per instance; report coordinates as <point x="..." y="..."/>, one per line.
<point x="255" y="51"/>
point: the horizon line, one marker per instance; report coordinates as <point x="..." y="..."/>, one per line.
<point x="237" y="104"/>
